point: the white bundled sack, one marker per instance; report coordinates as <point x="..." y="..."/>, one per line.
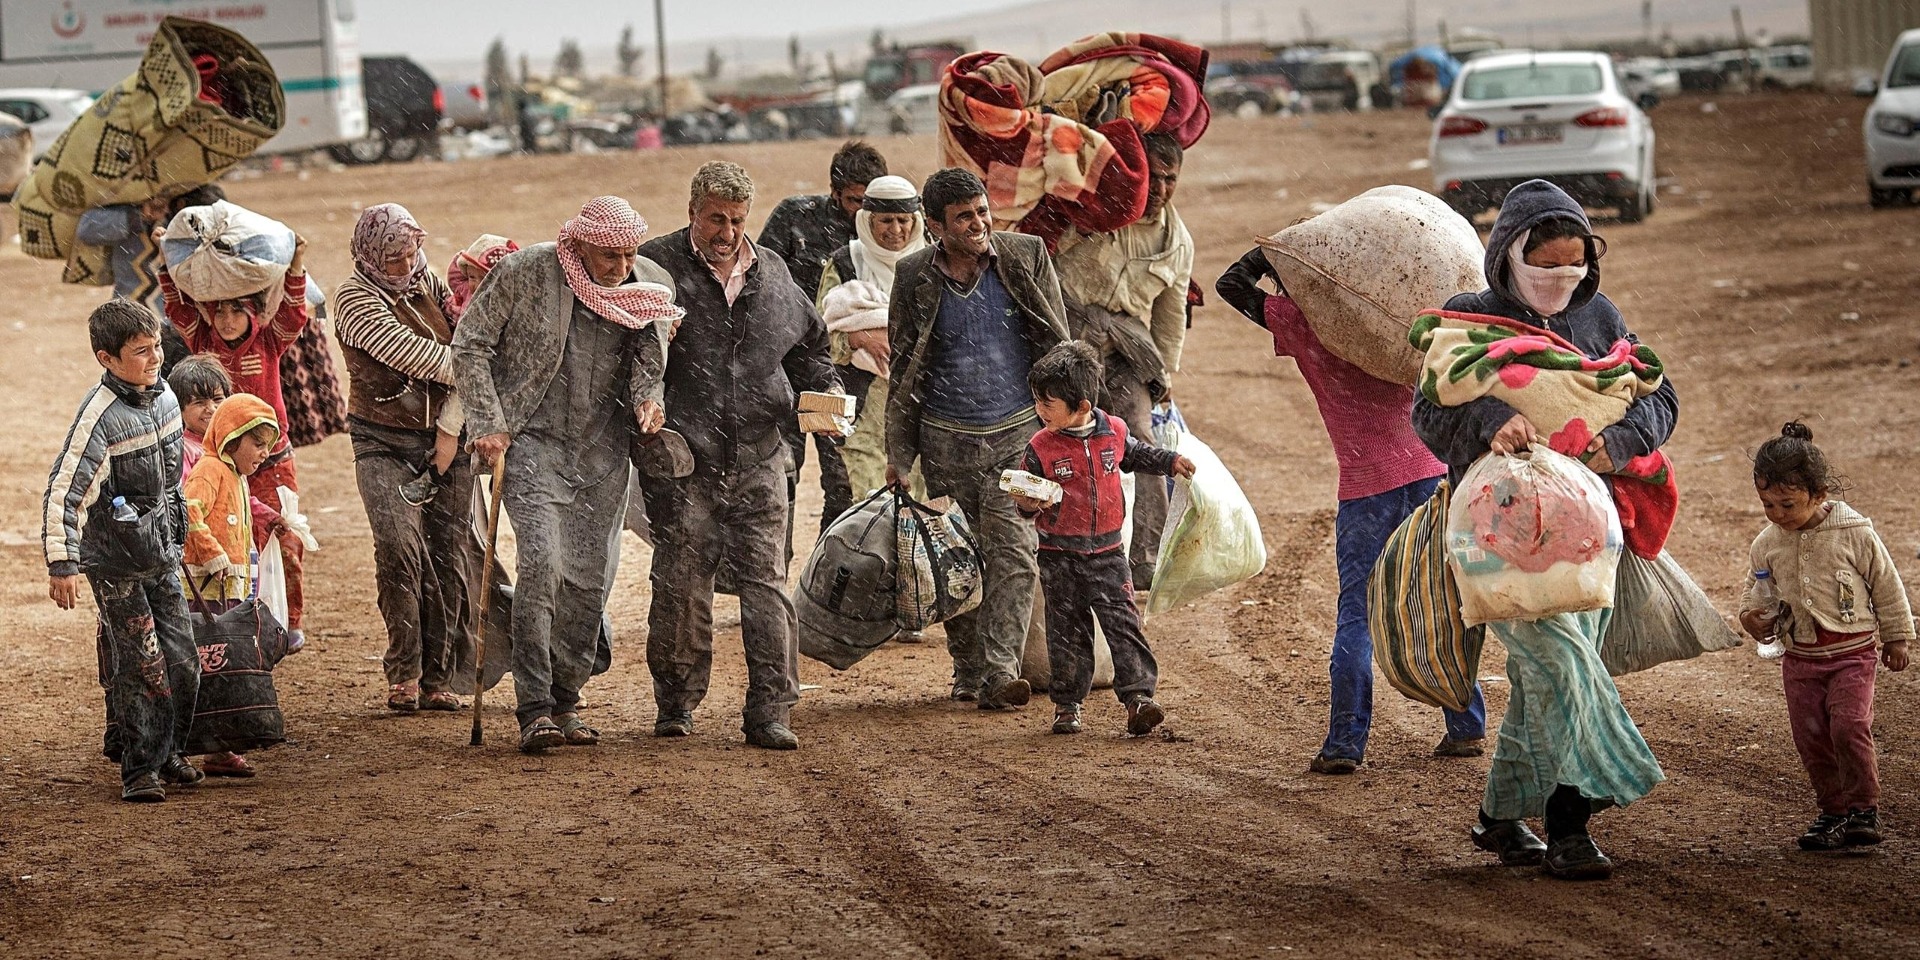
<point x="1530" y="536"/>
<point x="1362" y="270"/>
<point x="1212" y="538"/>
<point x="270" y="579"/>
<point x="225" y="251"/>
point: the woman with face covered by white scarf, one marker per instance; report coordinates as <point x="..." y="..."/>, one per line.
<point x="854" y="293"/>
<point x="1567" y="746"/>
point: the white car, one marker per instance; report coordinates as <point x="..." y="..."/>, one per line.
<point x="48" y="112"/>
<point x="1893" y="126"/>
<point x="1512" y="117"/>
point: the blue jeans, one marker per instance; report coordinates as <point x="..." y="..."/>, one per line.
<point x="1360" y="532"/>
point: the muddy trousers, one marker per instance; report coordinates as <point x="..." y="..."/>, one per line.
<point x="1126" y="397"/>
<point x="700" y="525"/>
<point x="420" y="554"/>
<point x="1079" y="588"/>
<point x="1830" y="706"/>
<point x="563" y="535"/>
<point x="149" y="667"/>
<point x="1360" y="532"/>
<point x="986" y="641"/>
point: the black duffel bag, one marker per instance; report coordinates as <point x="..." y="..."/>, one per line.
<point x="238" y="709"/>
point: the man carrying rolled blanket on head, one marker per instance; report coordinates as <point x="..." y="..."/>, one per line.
<point x="558" y="359"/>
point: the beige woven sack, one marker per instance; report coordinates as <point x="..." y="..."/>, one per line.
<point x="1362" y="270"/>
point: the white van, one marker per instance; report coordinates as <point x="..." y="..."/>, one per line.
<point x="93" y="44"/>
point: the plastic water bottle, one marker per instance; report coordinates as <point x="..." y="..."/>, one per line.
<point x="1769" y="594"/>
<point x="123" y="511"/>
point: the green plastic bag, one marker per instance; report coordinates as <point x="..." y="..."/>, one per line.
<point x="1212" y="539"/>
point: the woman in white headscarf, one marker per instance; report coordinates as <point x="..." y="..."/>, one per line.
<point x="854" y="289"/>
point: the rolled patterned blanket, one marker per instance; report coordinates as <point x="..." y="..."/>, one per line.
<point x="204" y="99"/>
<point x="1059" y="145"/>
<point x="1568" y="396"/>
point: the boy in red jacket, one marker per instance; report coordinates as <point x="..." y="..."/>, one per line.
<point x="1082" y="569"/>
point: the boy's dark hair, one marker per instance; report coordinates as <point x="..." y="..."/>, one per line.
<point x="199" y="377"/>
<point x="856" y="163"/>
<point x="1791" y="460"/>
<point x="1069" y="373"/>
<point x="946" y="188"/>
<point x="1564" y="228"/>
<point x="200" y="196"/>
<point x="117" y="321"/>
<point x="1164" y="148"/>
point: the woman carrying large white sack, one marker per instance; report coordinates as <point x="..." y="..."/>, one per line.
<point x="1567" y="746"/>
<point x="854" y="293"/>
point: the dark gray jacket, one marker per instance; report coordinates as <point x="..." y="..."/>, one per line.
<point x="732" y="371"/>
<point x="1459" y="435"/>
<point x="525" y="304"/>
<point x="1025" y="270"/>
<point x="124" y="442"/>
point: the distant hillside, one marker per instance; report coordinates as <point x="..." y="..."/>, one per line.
<point x="1036" y="28"/>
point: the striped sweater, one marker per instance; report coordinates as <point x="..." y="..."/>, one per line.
<point x="399" y="352"/>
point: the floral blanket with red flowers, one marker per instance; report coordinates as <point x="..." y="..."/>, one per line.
<point x="1569" y="396"/>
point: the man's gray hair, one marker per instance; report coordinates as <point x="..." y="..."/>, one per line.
<point x="722" y="180"/>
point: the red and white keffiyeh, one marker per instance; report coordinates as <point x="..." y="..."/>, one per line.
<point x="612" y="222"/>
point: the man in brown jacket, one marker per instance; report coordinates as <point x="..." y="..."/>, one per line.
<point x="969" y="316"/>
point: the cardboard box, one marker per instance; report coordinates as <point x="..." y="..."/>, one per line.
<point x="1027" y="485"/>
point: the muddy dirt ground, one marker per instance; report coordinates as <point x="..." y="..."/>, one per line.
<point x="908" y="826"/>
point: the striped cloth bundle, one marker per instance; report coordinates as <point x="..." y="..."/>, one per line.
<point x="1420" y="642"/>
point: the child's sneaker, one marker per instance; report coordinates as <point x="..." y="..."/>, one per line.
<point x="1863" y="828"/>
<point x="296" y="641"/>
<point x="1828" y="832"/>
<point x="420" y="491"/>
<point x="1066" y="718"/>
<point x="1143" y="715"/>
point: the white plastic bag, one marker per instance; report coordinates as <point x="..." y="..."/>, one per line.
<point x="270" y="579"/>
<point x="1332" y="266"/>
<point x="1530" y="536"/>
<point x="1212" y="538"/>
<point x="295" y="520"/>
<point x="225" y="251"/>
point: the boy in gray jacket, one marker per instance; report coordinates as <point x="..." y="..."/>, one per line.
<point x="114" y="513"/>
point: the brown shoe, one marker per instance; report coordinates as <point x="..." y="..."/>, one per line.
<point x="1143" y="714"/>
<point x="1012" y="692"/>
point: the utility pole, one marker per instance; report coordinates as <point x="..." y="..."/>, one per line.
<point x="1646" y="23"/>
<point x="660" y="44"/>
<point x="1226" y="22"/>
<point x="1413" y="31"/>
<point x="1740" y="40"/>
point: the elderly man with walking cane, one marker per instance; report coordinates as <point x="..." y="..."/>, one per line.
<point x="558" y="360"/>
<point x="751" y="336"/>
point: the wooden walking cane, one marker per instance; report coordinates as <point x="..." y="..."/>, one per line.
<point x="486" y="594"/>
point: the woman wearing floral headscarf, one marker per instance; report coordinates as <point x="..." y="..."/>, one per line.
<point x="396" y="329"/>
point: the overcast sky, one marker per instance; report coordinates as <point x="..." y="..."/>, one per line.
<point x="428" y="31"/>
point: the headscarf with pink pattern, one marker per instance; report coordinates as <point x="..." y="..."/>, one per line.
<point x="612" y="222"/>
<point x="469" y="267"/>
<point x="385" y="230"/>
